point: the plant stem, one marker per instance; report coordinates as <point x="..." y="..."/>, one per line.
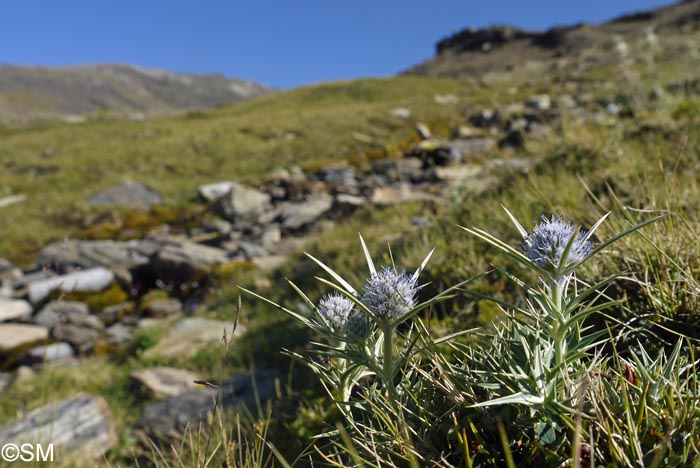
<point x="387" y="360"/>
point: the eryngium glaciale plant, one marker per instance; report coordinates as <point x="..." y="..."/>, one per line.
<point x="360" y="338"/>
<point x="541" y="353"/>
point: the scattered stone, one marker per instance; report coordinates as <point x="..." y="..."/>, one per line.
<point x="184" y="261"/>
<point x="251" y="250"/>
<point x="11" y="200"/>
<point x="8" y="271"/>
<point x="444" y="152"/>
<point x="341" y="179"/>
<point x="270" y="262"/>
<point x="170" y="418"/>
<point x="445" y="99"/>
<point x="162" y="308"/>
<point x="119" y="334"/>
<point x="82" y="338"/>
<point x="467" y="131"/>
<point x="130" y="193"/>
<point x="106" y="253"/>
<point x="12" y="309"/>
<point x="345" y="203"/>
<point x="188" y="335"/>
<point x="299" y="215"/>
<point x="518" y="164"/>
<point x="400" y="170"/>
<point x="82" y="423"/>
<point x="271" y="236"/>
<point x="114" y="313"/>
<point x="22" y="374"/>
<point x="423" y="131"/>
<point x="613" y="108"/>
<point x="54" y="352"/>
<point x="219" y="226"/>
<point x="401" y="112"/>
<point x="244" y="202"/>
<point x="539" y="102"/>
<point x="161" y="383"/>
<point x="484" y="119"/>
<point x="398" y="193"/>
<point x="90" y="280"/>
<point x="212" y="192"/>
<point x="56" y="312"/>
<point x="14" y="335"/>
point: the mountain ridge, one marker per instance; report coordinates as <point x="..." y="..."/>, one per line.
<point x="73" y="93"/>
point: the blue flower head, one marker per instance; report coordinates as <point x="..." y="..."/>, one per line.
<point x="336" y="309"/>
<point x="389" y="294"/>
<point x="547" y="242"/>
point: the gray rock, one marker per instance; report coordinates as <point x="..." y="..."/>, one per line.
<point x="270" y="262"/>
<point x="11" y="200"/>
<point x="189" y="335"/>
<point x="183" y="260"/>
<point x="342" y="179"/>
<point x="90" y="280"/>
<point x="251" y="250"/>
<point x="130" y="193"/>
<point x="119" y="334"/>
<point x="443" y="152"/>
<point x="14" y="335"/>
<point x="300" y="215"/>
<point x="271" y="236"/>
<point x="161" y="383"/>
<point x="14" y="309"/>
<point x="105" y="253"/>
<point x="170" y="418"/>
<point x="5" y="380"/>
<point x="401" y="112"/>
<point x="219" y="226"/>
<point x="49" y="353"/>
<point x="244" y="202"/>
<point x="162" y="308"/>
<point x="399" y="170"/>
<point x="8" y="271"/>
<point x="212" y="192"/>
<point x="539" y="102"/>
<point x="56" y="312"/>
<point x="82" y="423"/>
<point x="114" y="313"/>
<point x="423" y="131"/>
<point x="398" y="193"/>
<point x="82" y="338"/>
<point x="345" y="204"/>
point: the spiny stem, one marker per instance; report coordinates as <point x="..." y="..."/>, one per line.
<point x="387" y="360"/>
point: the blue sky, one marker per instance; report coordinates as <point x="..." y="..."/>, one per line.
<point x="282" y="43"/>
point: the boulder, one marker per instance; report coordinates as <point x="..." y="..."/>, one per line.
<point x="14" y="335"/>
<point x="398" y="193"/>
<point x="162" y="308"/>
<point x="161" y="383"/>
<point x="106" y="253"/>
<point x="172" y="417"/>
<point x="399" y="170"/>
<point x="539" y="102"/>
<point x="8" y="271"/>
<point x="444" y="152"/>
<point x="299" y="215"/>
<point x="188" y="336"/>
<point x="56" y="312"/>
<point x="130" y="194"/>
<point x="81" y="337"/>
<point x="82" y="423"/>
<point x="214" y="191"/>
<point x="181" y="260"/>
<point x="341" y="179"/>
<point x="242" y="202"/>
<point x="54" y="352"/>
<point x="90" y="280"/>
<point x="11" y="309"/>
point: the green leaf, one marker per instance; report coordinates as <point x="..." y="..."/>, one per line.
<point x="546" y="433"/>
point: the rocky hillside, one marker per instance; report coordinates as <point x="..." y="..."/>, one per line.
<point x="72" y="93"/>
<point x="503" y="52"/>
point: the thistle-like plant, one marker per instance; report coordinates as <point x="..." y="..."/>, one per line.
<point x="537" y="354"/>
<point x="359" y="330"/>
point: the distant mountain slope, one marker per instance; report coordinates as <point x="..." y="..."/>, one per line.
<point x="499" y="52"/>
<point x="31" y="93"/>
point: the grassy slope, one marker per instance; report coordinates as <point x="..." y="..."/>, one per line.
<point x="59" y="166"/>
